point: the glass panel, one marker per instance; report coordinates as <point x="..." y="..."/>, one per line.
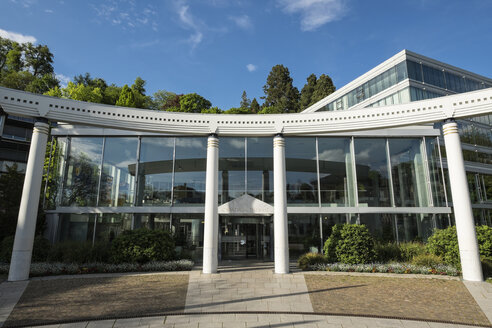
<point x="190" y="167"/>
<point x="82" y="172"/>
<point x="302" y="181"/>
<point x="414" y="71"/>
<point x="435" y="172"/>
<point x="60" y="168"/>
<point x="416" y="227"/>
<point x="155" y="171"/>
<point x="304" y="234"/>
<point x="76" y="227"/>
<point x="335" y="172"/>
<point x="407" y="167"/>
<point x="152" y="221"/>
<point x="231" y="169"/>
<point x="188" y="233"/>
<point x="260" y="168"/>
<point x="381" y="226"/>
<point x="109" y="225"/>
<point x="372" y="172"/>
<point x="118" y="179"/>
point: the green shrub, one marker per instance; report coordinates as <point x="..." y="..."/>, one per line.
<point x="484" y="237"/>
<point x="444" y="243"/>
<point x="487" y="267"/>
<point x="331" y="243"/>
<point x="356" y="245"/>
<point x="389" y="252"/>
<point x="410" y="250"/>
<point x="41" y="248"/>
<point x="428" y="260"/>
<point x="142" y="245"/>
<point x="310" y="259"/>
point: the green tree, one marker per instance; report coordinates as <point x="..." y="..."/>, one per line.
<point x="307" y="92"/>
<point x="5" y="46"/>
<point x="83" y="93"/>
<point x="111" y="94"/>
<point x="245" y="102"/>
<point x="279" y="91"/>
<point x="39" y="59"/>
<point x="16" y="80"/>
<point x="138" y="89"/>
<point x="193" y="103"/>
<point x="54" y="92"/>
<point x="42" y="84"/>
<point x="212" y="110"/>
<point x="13" y="61"/>
<point x="324" y="87"/>
<point x="271" y="110"/>
<point x="127" y="97"/>
<point x="172" y="103"/>
<point x="238" y="110"/>
<point x="160" y="98"/>
<point x="255" y="107"/>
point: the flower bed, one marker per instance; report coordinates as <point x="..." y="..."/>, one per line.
<point x="403" y="268"/>
<point x="48" y="269"/>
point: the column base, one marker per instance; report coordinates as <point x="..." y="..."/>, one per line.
<point x="20" y="266"/>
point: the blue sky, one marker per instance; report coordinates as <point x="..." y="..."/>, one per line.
<point x="218" y="48"/>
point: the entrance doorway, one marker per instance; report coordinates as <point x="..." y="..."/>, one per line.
<point x="245" y="238"/>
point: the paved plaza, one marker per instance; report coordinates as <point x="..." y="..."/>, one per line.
<point x="248" y="295"/>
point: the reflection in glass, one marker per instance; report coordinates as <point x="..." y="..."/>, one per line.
<point x="188" y="234"/>
<point x="301" y="172"/>
<point x="418" y="227"/>
<point x="152" y="221"/>
<point x="260" y="168"/>
<point x="110" y="225"/>
<point x="380" y="225"/>
<point x="372" y="172"/>
<point x="304" y="234"/>
<point x="190" y="167"/>
<point x="407" y="168"/>
<point x="117" y="181"/>
<point x="335" y="172"/>
<point x="81" y="176"/>
<point x="76" y="227"/>
<point x="155" y="171"/>
<point x="231" y="169"/>
<point x="436" y="178"/>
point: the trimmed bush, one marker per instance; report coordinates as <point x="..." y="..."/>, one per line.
<point x="444" y="243"/>
<point x="389" y="252"/>
<point x="331" y="243"/>
<point x="142" y="245"/>
<point x="40" y="251"/>
<point x="410" y="250"/>
<point x="428" y="260"/>
<point x="305" y="261"/>
<point x="487" y="267"/>
<point x="80" y="252"/>
<point x="484" y="237"/>
<point x="356" y="245"/>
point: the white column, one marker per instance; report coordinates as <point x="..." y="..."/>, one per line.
<point x="28" y="211"/>
<point x="211" y="228"/>
<point x="281" y="238"/>
<point x="465" y="226"/>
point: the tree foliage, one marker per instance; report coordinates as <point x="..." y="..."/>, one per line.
<point x="193" y="103"/>
<point x="255" y="107"/>
<point x="245" y="102"/>
<point x="315" y="89"/>
<point x="279" y="90"/>
<point x="127" y="97"/>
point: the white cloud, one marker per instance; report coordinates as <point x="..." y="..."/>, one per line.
<point x="251" y="67"/>
<point x="243" y="21"/>
<point x="17" y="37"/>
<point x="314" y="13"/>
<point x="127" y="14"/>
<point x="63" y="79"/>
<point x="49" y="11"/>
<point x="189" y="23"/>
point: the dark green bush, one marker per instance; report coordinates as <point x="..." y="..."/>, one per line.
<point x="332" y="242"/>
<point x="41" y="248"/>
<point x="428" y="260"/>
<point x="351" y="243"/>
<point x="484" y="237"/>
<point x="80" y="252"/>
<point x="487" y="267"/>
<point x="410" y="250"/>
<point x="387" y="252"/>
<point x="142" y="245"/>
<point x="308" y="259"/>
<point x="444" y="243"/>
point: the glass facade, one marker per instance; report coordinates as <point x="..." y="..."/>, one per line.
<point x="301" y="171"/>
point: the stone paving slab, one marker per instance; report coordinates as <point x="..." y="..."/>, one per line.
<point x="258" y="320"/>
<point x="482" y="293"/>
<point x="251" y="290"/>
<point x="10" y="293"/>
<point x="51" y="300"/>
<point x="425" y="299"/>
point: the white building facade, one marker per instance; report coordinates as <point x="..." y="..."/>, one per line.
<point x="270" y="186"/>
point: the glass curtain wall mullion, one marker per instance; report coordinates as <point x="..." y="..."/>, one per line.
<point x="390" y="174"/>
<point x="430" y="200"/>
<point x="98" y="190"/>
<point x="245" y="165"/>
<point x="319" y="197"/>
<point x="65" y="169"/>
<point x="172" y="177"/>
<point x="443" y="178"/>
<point x="137" y="180"/>
<point x="354" y="180"/>
<point x="47" y="173"/>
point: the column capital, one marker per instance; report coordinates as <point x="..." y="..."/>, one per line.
<point x="41" y="120"/>
<point x="213" y="135"/>
<point x="279" y="135"/>
<point x="41" y="126"/>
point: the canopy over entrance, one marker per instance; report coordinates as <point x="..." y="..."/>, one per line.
<point x="246" y="205"/>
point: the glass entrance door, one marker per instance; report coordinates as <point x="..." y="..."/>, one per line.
<point x="245" y="237"/>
